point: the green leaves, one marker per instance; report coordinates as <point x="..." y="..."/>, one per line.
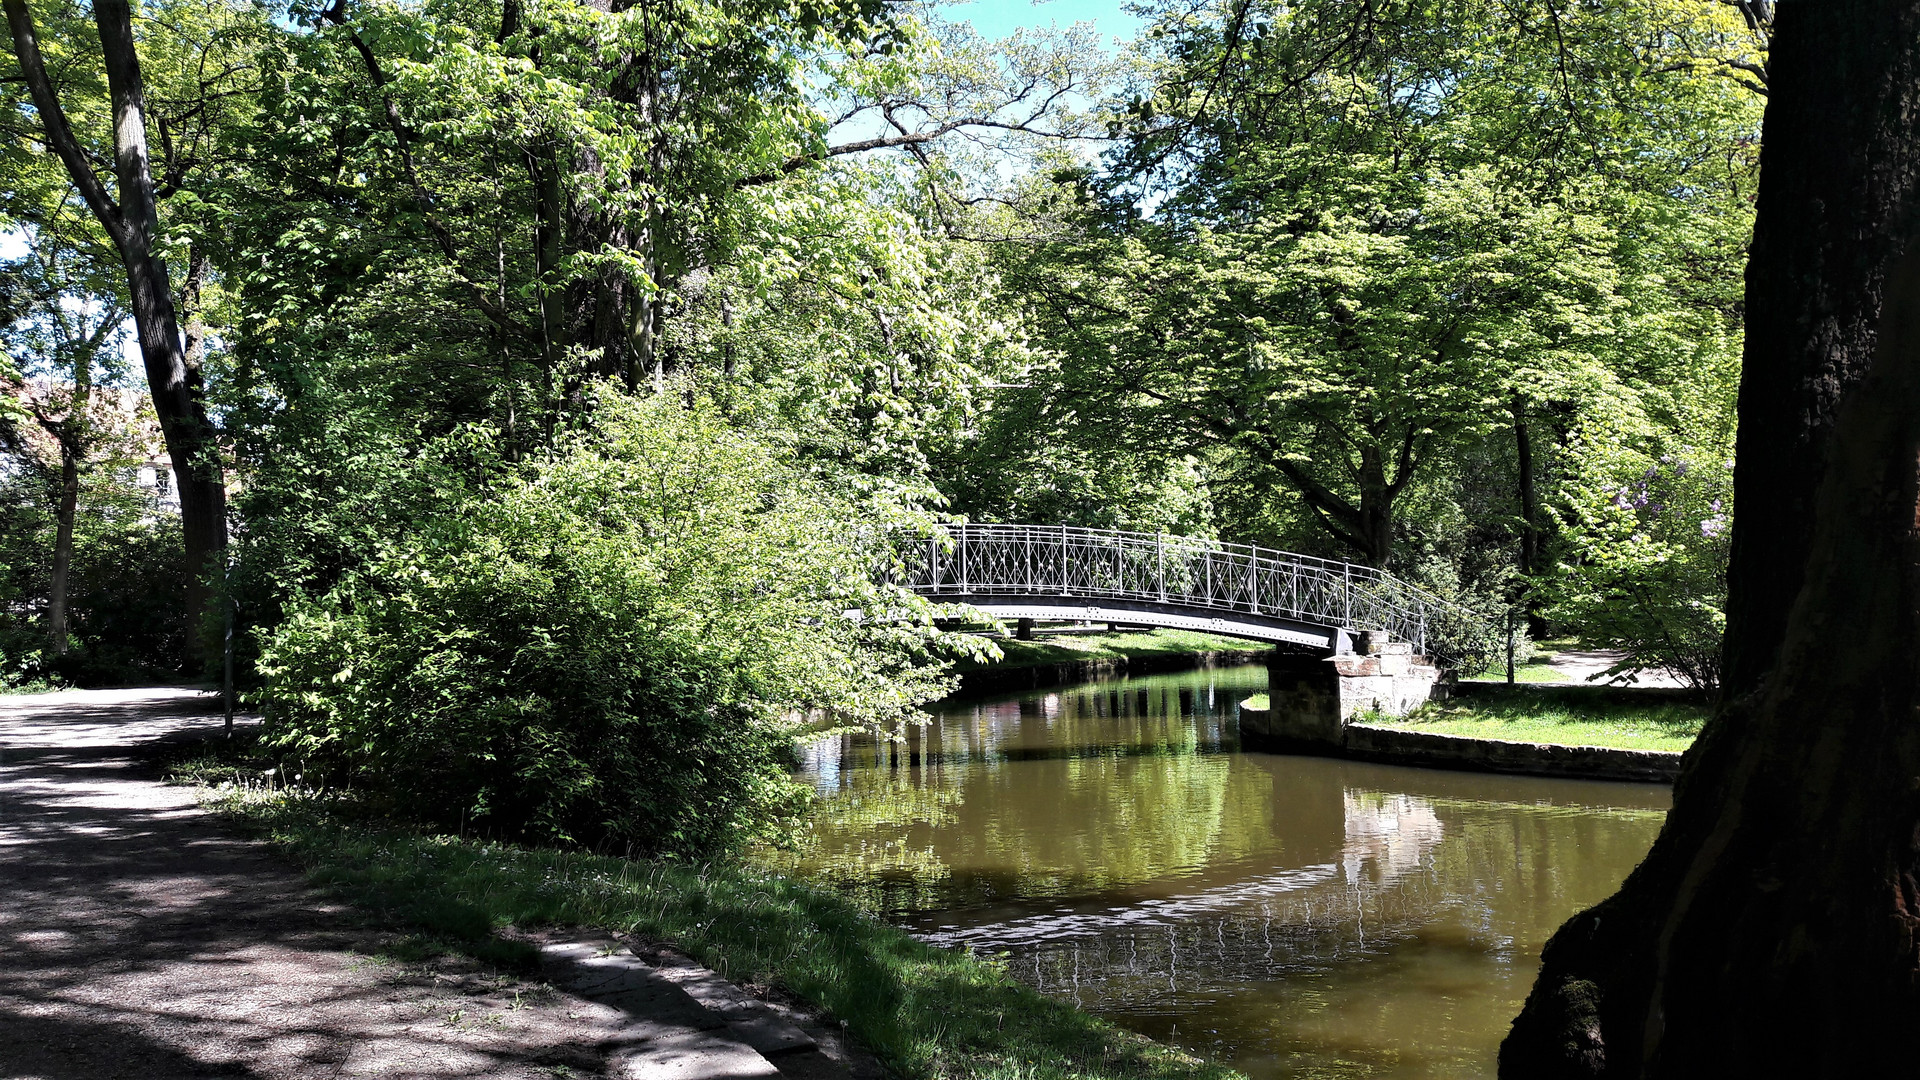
<point x="1644" y="514"/>
<point x="613" y="647"/>
<point x="1339" y="240"/>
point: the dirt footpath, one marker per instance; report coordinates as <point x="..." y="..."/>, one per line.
<point x="1587" y="666"/>
<point x="138" y="939"/>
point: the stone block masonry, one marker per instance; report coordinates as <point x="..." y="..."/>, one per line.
<point x="1312" y="699"/>
<point x="1395" y="746"/>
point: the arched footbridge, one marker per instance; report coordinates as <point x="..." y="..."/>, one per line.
<point x="1185" y="583"/>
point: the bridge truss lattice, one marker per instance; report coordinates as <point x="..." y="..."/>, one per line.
<point x="1174" y="572"/>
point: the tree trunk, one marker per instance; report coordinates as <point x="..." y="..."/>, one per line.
<point x="1367" y="527"/>
<point x="133" y="223"/>
<point x="178" y="399"/>
<point x="1376" y="515"/>
<point x="1529" y="514"/>
<point x="1773" y="929"/>
<point x="1377" y="496"/>
<point x="1838" y="166"/>
<point x="62" y="552"/>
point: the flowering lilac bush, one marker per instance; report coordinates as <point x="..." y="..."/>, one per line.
<point x="1645" y="567"/>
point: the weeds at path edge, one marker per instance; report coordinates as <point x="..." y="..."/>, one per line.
<point x="926" y="1012"/>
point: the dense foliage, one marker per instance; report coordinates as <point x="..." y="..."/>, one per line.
<point x="1646" y="566"/>
<point x="1419" y="284"/>
<point x="1376" y="289"/>
<point x="614" y="646"/>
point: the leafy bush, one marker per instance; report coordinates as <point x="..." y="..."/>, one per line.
<point x="125" y="597"/>
<point x="124" y="589"/>
<point x="1646" y="570"/>
<point x="1465" y="641"/>
<point x="614" y="649"/>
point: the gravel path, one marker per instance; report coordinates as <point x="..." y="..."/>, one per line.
<point x="1582" y="665"/>
<point x="139" y="939"/>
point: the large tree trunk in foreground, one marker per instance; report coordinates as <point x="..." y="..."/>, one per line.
<point x="132" y="220"/>
<point x="1838" y="167"/>
<point x="1774" y="929"/>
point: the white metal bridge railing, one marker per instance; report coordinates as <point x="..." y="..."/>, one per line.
<point x="1040" y="560"/>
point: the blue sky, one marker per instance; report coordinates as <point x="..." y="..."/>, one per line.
<point x="998" y="18"/>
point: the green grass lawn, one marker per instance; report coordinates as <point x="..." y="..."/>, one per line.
<point x="1056" y="648"/>
<point x="927" y="1013"/>
<point x="1533" y="671"/>
<point x="1585" y="720"/>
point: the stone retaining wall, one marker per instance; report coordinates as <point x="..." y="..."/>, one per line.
<point x="1399" y="746"/>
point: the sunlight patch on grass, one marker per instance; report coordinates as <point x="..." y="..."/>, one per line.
<point x="1534" y="671"/>
<point x="1547" y="718"/>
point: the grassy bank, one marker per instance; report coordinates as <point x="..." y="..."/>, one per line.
<point x="1546" y="717"/>
<point x="1059" y="648"/>
<point x="926" y="1012"/>
<point x="1533" y="671"/>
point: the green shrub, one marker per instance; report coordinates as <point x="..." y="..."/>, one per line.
<point x="1464" y="640"/>
<point x="125" y="589"/>
<point x="614" y="649"/>
<point x="126" y="600"/>
<point x="1645" y="570"/>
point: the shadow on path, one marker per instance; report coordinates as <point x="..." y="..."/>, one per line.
<point x="139" y="939"/>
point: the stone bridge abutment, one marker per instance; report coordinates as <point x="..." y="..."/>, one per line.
<point x="1311" y="699"/>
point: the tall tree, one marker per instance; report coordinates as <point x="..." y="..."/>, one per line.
<point x="129" y="213"/>
<point x="62" y="335"/>
<point x="1451" y="222"/>
<point x="1772" y="930"/>
<point x="1345" y="351"/>
<point x="476" y="244"/>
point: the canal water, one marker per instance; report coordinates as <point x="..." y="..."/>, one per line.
<point x="1292" y="916"/>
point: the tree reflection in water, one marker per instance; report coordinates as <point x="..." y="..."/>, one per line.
<point x="1293" y="915"/>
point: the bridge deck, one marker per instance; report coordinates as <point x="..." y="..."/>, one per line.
<point x="1237" y="590"/>
<point x="1169" y="616"/>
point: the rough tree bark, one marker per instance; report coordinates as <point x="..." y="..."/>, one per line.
<point x="1529" y="513"/>
<point x="1774" y="929"/>
<point x="1839" y="162"/>
<point x="57" y="635"/>
<point x="132" y="220"/>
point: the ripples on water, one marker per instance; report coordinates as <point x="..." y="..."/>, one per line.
<point x="1294" y="916"/>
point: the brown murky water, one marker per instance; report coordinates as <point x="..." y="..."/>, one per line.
<point x="1294" y="916"/>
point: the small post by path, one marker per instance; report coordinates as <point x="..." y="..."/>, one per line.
<point x="226" y="658"/>
<point x="1510" y="629"/>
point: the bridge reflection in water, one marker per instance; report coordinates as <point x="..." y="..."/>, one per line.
<point x="1293" y="916"/>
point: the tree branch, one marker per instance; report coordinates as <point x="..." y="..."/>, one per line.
<point x="886" y="142"/>
<point x="53" y="119"/>
<point x="336" y="14"/>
